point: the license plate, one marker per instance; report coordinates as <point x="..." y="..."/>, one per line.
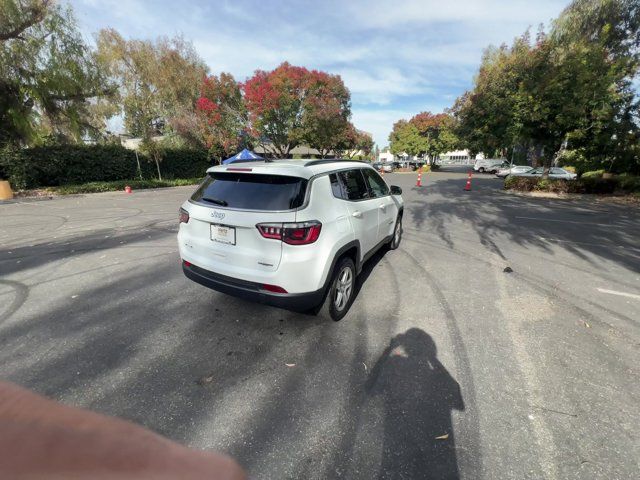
<point x="223" y="234"/>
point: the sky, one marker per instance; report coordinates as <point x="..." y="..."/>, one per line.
<point x="397" y="57"/>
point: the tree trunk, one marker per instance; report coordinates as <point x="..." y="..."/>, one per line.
<point x="158" y="167"/>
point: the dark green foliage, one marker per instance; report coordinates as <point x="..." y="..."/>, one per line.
<point x="572" y="93"/>
<point x="598" y="185"/>
<point x="594" y="184"/>
<point x="96" y="187"/>
<point x="183" y="163"/>
<point x="592" y="174"/>
<point x="521" y="184"/>
<point x="75" y="164"/>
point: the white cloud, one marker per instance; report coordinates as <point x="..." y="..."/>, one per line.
<point x="381" y="85"/>
<point x="397" y="57"/>
<point x="379" y="122"/>
<point x="393" y="13"/>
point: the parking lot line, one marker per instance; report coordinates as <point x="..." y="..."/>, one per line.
<point x="621" y="294"/>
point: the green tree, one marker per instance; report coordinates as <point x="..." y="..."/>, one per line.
<point x="51" y="85"/>
<point x="436" y="131"/>
<point x="570" y="90"/>
<point x="405" y="138"/>
<point x="425" y="134"/>
<point x="158" y="81"/>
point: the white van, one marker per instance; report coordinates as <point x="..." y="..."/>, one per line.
<point x="491" y="165"/>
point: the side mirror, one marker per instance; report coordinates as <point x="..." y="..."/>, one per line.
<point x="395" y="190"/>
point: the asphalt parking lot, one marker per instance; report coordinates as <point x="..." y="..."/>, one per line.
<point x="447" y="366"/>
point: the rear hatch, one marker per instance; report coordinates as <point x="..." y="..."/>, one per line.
<point x="225" y="211"/>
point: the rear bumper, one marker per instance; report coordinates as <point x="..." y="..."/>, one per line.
<point x="252" y="291"/>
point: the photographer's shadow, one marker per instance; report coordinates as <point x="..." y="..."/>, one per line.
<point x="419" y="396"/>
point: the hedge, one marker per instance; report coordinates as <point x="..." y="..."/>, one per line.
<point x="585" y="184"/>
<point x="76" y="164"/>
<point x="119" y="185"/>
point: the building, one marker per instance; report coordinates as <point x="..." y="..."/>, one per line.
<point x="386" y="156"/>
<point x="458" y="157"/>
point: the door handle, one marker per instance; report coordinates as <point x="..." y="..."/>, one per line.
<point x="357" y="214"/>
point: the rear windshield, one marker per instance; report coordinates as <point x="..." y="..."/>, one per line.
<point x="251" y="191"/>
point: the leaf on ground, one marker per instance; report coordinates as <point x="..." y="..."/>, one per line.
<point x="205" y="380"/>
<point x="585" y="324"/>
<point x="443" y="437"/>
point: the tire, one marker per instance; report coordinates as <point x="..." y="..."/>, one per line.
<point x="481" y="170"/>
<point x="397" y="234"/>
<point x="341" y="290"/>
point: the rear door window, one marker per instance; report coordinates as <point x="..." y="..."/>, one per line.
<point x="251" y="191"/>
<point x="377" y="185"/>
<point x="349" y="185"/>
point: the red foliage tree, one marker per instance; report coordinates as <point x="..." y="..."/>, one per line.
<point x="219" y="120"/>
<point x="291" y="105"/>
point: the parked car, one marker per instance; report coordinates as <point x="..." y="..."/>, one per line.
<point x="505" y="172"/>
<point x="554" y="172"/>
<point x="387" y="167"/>
<point x="491" y="165"/>
<point x="287" y="233"/>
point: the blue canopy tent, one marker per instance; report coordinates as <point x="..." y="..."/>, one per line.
<point x="244" y="156"/>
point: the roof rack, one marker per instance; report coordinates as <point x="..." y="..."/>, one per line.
<point x="329" y="160"/>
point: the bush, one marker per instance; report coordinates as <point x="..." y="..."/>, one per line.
<point x="593" y="174"/>
<point x="629" y="183"/>
<point x="599" y="185"/>
<point x="184" y="163"/>
<point x="521" y="184"/>
<point x="552" y="185"/>
<point x="97" y="187"/>
<point x="75" y="164"/>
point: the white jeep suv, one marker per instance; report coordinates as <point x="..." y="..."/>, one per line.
<point x="288" y="233"/>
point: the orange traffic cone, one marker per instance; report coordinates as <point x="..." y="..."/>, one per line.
<point x="419" y="182"/>
<point x="467" y="187"/>
<point x="127" y="189"/>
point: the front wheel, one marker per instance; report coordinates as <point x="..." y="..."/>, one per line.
<point x="341" y="289"/>
<point x="397" y="234"/>
<point x="481" y="170"/>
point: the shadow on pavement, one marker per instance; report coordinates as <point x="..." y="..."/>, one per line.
<point x="606" y="231"/>
<point x="419" y="396"/>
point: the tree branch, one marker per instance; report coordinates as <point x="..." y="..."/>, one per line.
<point x="36" y="15"/>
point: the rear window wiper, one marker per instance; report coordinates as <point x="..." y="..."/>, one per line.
<point x="217" y="201"/>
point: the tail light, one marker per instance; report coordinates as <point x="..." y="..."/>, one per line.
<point x="183" y="216"/>
<point x="301" y="233"/>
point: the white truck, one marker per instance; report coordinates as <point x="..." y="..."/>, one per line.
<point x="491" y="165"/>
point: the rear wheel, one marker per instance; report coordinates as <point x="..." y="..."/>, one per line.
<point x="341" y="289"/>
<point x="481" y="169"/>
